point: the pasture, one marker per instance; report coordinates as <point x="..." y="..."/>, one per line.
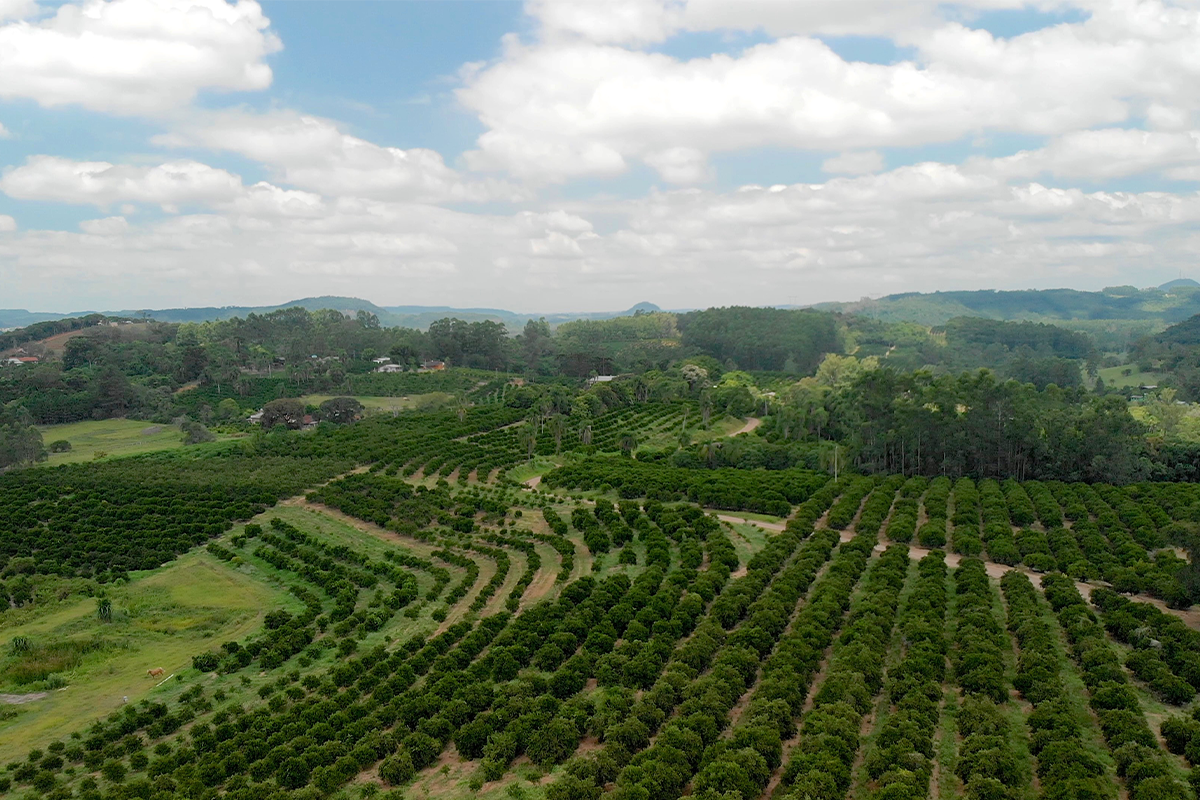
<point x="116" y="437"/>
<point x="1129" y="375"/>
<point x="161" y="618"/>
<point x="387" y="404"/>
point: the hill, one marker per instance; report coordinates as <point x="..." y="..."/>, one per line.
<point x="1180" y="283"/>
<point x="420" y="317"/>
<point x="1172" y="302"/>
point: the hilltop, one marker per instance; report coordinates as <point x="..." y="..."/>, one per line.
<point x="392" y="316"/>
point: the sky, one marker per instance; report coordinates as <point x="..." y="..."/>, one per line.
<point x="586" y="155"/>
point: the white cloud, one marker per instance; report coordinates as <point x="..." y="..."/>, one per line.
<point x="17" y="9"/>
<point x="1097" y="155"/>
<point x="109" y="226"/>
<point x="854" y="163"/>
<point x="136" y="56"/>
<point x="924" y="226"/>
<point x="569" y="105"/>
<point x="5" y="133"/>
<point x="313" y="153"/>
<point x="638" y="22"/>
<point x="102" y="184"/>
<point x="7" y="224"/>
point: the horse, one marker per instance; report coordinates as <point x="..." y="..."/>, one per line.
<point x="155" y="672"/>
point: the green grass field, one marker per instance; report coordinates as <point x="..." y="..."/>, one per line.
<point x="116" y="437"/>
<point x="387" y="404"/>
<point x="160" y="619"/>
<point x="1115" y="376"/>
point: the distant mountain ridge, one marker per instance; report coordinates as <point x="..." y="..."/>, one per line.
<point x="1173" y="301"/>
<point x="391" y="316"/>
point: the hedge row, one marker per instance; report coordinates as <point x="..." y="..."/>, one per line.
<point x="1166" y="651"/>
<point x="937" y="497"/>
<point x="1147" y="773"/>
<point x="997" y="525"/>
<point x="989" y="764"/>
<point x="900" y="763"/>
<point x="703" y="677"/>
<point x="903" y="524"/>
<point x="821" y="765"/>
<point x="1058" y="726"/>
<point x="876" y="509"/>
<point x="965" y="535"/>
<point x="740" y="765"/>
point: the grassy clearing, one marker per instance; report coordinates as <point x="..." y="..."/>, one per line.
<point x="116" y="437"/>
<point x="1116" y="376"/>
<point x="161" y="619"/>
<point x="386" y="404"/>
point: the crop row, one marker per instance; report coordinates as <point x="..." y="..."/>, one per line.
<point x="1057" y="727"/>
<point x="1166" y="652"/>
<point x="900" y="762"/>
<point x="989" y="764"/>
<point x="1140" y="761"/>
<point x="821" y="765"/>
<point x="771" y="492"/>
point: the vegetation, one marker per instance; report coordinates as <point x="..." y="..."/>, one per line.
<point x="621" y="587"/>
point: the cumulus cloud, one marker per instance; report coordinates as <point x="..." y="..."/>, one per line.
<point x="7" y="224"/>
<point x="640" y="22"/>
<point x="313" y="153"/>
<point x="1102" y="154"/>
<point x="854" y="163"/>
<point x="17" y="9"/>
<point x="134" y="56"/>
<point x="109" y="226"/>
<point x="566" y="106"/>
<point x="922" y="226"/>
<point x="4" y="132"/>
<point x="101" y="183"/>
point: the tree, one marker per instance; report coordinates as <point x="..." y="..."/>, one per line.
<point x="553" y="743"/>
<point x="628" y="442"/>
<point x="285" y="411"/>
<point x="340" y="410"/>
<point x="195" y="433"/>
<point x="558" y="427"/>
<point x="527" y="438"/>
<point x="104" y="609"/>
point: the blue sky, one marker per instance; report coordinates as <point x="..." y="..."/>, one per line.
<point x="573" y="155"/>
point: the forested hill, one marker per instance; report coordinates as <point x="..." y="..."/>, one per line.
<point x="1172" y="302"/>
<point x="409" y="316"/>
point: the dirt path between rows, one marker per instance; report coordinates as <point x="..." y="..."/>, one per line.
<point x="750" y="425"/>
<point x="770" y="526"/>
<point x="424" y="549"/>
<point x="22" y="699"/>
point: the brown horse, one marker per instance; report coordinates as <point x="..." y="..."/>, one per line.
<point x="155" y="672"/>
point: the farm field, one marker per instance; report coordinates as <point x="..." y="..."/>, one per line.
<point x="387" y="404"/>
<point x="114" y="437"/>
<point x="160" y="619"/>
<point x="1116" y="377"/>
<point x="352" y="614"/>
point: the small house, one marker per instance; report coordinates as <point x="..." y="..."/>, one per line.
<point x="390" y="368"/>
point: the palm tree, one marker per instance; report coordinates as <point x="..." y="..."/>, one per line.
<point x="585" y="433"/>
<point x="104" y="609"/>
<point x="628" y="442"/>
